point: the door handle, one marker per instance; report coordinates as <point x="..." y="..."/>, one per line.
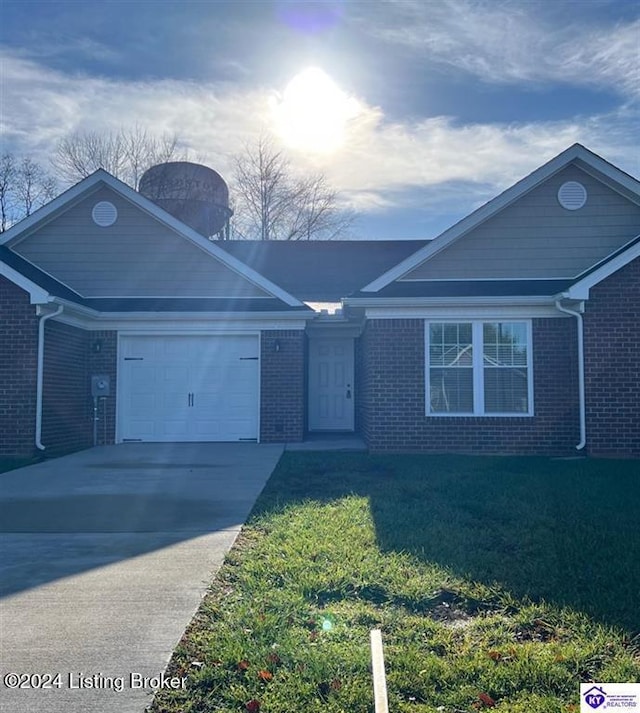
<point x="190" y="399"/>
<point x="348" y="391"/>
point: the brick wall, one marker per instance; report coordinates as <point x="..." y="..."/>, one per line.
<point x="282" y="396"/>
<point x="359" y="381"/>
<point x="105" y="361"/>
<point x="392" y="406"/>
<point x="67" y="407"/>
<point x="67" y="404"/>
<point x="612" y="364"/>
<point x="18" y="364"/>
<point x="66" y="414"/>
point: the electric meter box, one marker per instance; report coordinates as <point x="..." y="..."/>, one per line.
<point x="100" y="385"/>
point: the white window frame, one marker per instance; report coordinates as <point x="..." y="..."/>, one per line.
<point x="478" y="368"/>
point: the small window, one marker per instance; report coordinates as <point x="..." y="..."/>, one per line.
<point x="479" y="368"/>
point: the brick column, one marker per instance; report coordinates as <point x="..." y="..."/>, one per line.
<point x="18" y="365"/>
<point x="282" y="386"/>
<point x="612" y="364"/>
<point x="105" y="362"/>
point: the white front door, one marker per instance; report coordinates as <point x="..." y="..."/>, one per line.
<point x="188" y="388"/>
<point x="331" y="395"/>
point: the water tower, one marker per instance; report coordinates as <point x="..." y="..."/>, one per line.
<point x="195" y="194"/>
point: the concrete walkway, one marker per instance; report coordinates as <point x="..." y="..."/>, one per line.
<point x="104" y="558"/>
<point x="329" y="442"/>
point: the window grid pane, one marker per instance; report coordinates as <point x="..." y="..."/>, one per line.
<point x="505" y="391"/>
<point x="505" y="359"/>
<point x="451" y="368"/>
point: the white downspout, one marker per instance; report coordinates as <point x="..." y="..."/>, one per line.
<point x="40" y="372"/>
<point x="581" y="389"/>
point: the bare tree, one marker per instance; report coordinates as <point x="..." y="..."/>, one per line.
<point x="34" y="187"/>
<point x="125" y="154"/>
<point x="24" y="187"/>
<point x="272" y="202"/>
<point x="7" y="187"/>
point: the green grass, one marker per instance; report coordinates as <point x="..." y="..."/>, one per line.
<point x="505" y="580"/>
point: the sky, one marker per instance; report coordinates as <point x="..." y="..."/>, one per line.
<point x="417" y="111"/>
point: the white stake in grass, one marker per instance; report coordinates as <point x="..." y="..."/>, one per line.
<point x="379" y="678"/>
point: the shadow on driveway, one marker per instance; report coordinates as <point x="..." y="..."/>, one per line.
<point x="105" y="556"/>
<point x="64" y="516"/>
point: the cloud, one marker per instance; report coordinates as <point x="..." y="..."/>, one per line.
<point x="437" y="151"/>
<point x="75" y="48"/>
<point x="515" y="42"/>
<point x="382" y="162"/>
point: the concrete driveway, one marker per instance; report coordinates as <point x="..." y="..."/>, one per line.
<point x="104" y="558"/>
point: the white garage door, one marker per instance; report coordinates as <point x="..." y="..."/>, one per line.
<point x="188" y="388"/>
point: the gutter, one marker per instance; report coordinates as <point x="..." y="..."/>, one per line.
<point x="40" y="372"/>
<point x="581" y="388"/>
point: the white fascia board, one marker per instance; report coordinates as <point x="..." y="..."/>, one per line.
<point x="90" y="319"/>
<point x="488" y="210"/>
<point x="485" y="307"/>
<point x="37" y="295"/>
<point x="613" y="177"/>
<point x="196" y="326"/>
<point x="515" y="278"/>
<point x="580" y="289"/>
<point x="122" y="189"/>
<point x="395" y="302"/>
<point x="462" y="313"/>
<point x="173" y="296"/>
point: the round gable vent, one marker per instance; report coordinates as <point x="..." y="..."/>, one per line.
<point x="572" y="195"/>
<point x="104" y="214"/>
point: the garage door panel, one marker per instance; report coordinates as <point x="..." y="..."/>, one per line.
<point x="144" y="378"/>
<point x="173" y="430"/>
<point x="230" y="430"/>
<point x="189" y="388"/>
<point x="144" y="403"/>
<point x="142" y="430"/>
<point x="178" y="375"/>
<point x="175" y="350"/>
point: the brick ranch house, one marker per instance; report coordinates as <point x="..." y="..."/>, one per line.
<point x="514" y="331"/>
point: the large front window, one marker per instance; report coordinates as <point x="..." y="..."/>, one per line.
<point x="478" y="368"/>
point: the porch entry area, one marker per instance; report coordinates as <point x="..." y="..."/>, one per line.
<point x="331" y="384"/>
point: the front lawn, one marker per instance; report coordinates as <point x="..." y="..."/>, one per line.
<point x="497" y="582"/>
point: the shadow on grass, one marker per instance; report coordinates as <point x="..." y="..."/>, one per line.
<point x="561" y="531"/>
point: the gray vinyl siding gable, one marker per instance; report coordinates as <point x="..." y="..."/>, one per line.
<point x="136" y="257"/>
<point x="536" y="237"/>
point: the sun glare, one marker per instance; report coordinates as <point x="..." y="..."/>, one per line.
<point x="313" y="112"/>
